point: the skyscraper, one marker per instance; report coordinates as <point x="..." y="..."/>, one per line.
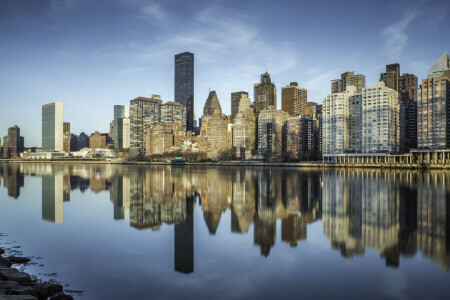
<point x="348" y="79"/>
<point x="293" y="99"/>
<point x="144" y="113"/>
<point x="121" y="127"/>
<point x="184" y="85"/>
<point x="211" y="104"/>
<point x="271" y="124"/>
<point x="265" y="93"/>
<point x="14" y="144"/>
<point x="441" y="67"/>
<point x="52" y="127"/>
<point x="235" y="98"/>
<point x="433" y="108"/>
<point x="244" y="129"/>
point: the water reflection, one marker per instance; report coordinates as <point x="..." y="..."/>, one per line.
<point x="395" y="213"/>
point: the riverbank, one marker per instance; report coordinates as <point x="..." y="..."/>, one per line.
<point x="318" y="165"/>
<point x="17" y="285"/>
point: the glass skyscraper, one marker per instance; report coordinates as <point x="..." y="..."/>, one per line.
<point x="184" y="85"/>
<point x="52" y="127"/>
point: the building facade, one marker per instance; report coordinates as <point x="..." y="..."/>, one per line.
<point x="144" y="113"/>
<point x="433" y="111"/>
<point x="215" y="128"/>
<point x="441" y="67"/>
<point x="380" y="119"/>
<point x="184" y="85"/>
<point x="173" y="112"/>
<point x="391" y="77"/>
<point x="293" y="99"/>
<point x="52" y="127"/>
<point x="299" y="138"/>
<point x="121" y="134"/>
<point x="265" y="93"/>
<point x="97" y="140"/>
<point x="271" y="124"/>
<point x="336" y="122"/>
<point x="244" y="129"/>
<point x="211" y="104"/>
<point x="235" y="98"/>
<point x="348" y="79"/>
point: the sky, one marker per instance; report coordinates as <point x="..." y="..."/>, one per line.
<point x="92" y="55"/>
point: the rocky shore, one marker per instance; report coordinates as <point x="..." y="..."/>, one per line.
<point x="17" y="285"/>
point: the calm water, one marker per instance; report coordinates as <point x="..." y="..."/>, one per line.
<point x="119" y="232"/>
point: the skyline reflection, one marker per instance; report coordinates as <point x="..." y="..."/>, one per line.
<point x="397" y="213"/>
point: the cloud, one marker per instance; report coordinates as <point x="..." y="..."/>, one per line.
<point x="396" y="36"/>
<point x="155" y="12"/>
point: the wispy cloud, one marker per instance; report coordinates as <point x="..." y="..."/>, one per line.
<point x="396" y="37"/>
<point x="154" y="11"/>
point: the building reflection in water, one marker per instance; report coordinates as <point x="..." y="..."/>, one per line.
<point x="395" y="213"/>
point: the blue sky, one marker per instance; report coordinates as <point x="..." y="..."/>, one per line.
<point x="92" y="55"/>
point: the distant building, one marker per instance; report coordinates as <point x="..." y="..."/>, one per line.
<point x="173" y="112"/>
<point x="82" y="141"/>
<point x="293" y="99"/>
<point x="271" y="124"/>
<point x="348" y="79"/>
<point x="441" y="67"/>
<point x="215" y="128"/>
<point x="235" y="98"/>
<point x="164" y="137"/>
<point x="97" y="140"/>
<point x="392" y="76"/>
<point x="121" y="126"/>
<point x="244" y="129"/>
<point x="184" y="85"/>
<point x="314" y="111"/>
<point x="380" y="119"/>
<point x="14" y="142"/>
<point x="408" y="112"/>
<point x="433" y="121"/>
<point x="299" y="138"/>
<point x="211" y="104"/>
<point x="336" y="122"/>
<point x="144" y="113"/>
<point x="73" y="142"/>
<point x="66" y="136"/>
<point x="265" y="93"/>
<point x="52" y="127"/>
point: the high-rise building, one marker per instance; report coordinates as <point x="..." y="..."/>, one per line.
<point x="433" y="110"/>
<point x="52" y="127"/>
<point x="265" y="93"/>
<point x="299" y="138"/>
<point x="392" y="77"/>
<point x="314" y="111"/>
<point x="121" y="127"/>
<point x="235" y="98"/>
<point x="215" y="127"/>
<point x="293" y="99"/>
<point x="408" y="112"/>
<point x="184" y="85"/>
<point x="380" y="119"/>
<point x="441" y="67"/>
<point x="336" y="121"/>
<point x="144" y="113"/>
<point x="174" y="112"/>
<point x="348" y="79"/>
<point x="211" y="104"/>
<point x="5" y="148"/>
<point x="14" y="144"/>
<point x="244" y="129"/>
<point x="271" y="124"/>
<point x="97" y="140"/>
<point x="66" y="136"/>
<point x="82" y="141"/>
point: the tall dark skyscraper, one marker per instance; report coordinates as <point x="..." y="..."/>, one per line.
<point x="184" y="85"/>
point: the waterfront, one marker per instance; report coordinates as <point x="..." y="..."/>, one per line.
<point x="163" y="232"/>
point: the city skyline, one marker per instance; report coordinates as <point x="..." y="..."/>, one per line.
<point x="107" y="67"/>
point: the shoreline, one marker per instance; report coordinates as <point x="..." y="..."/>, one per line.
<point x="18" y="285"/>
<point x="318" y="165"/>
